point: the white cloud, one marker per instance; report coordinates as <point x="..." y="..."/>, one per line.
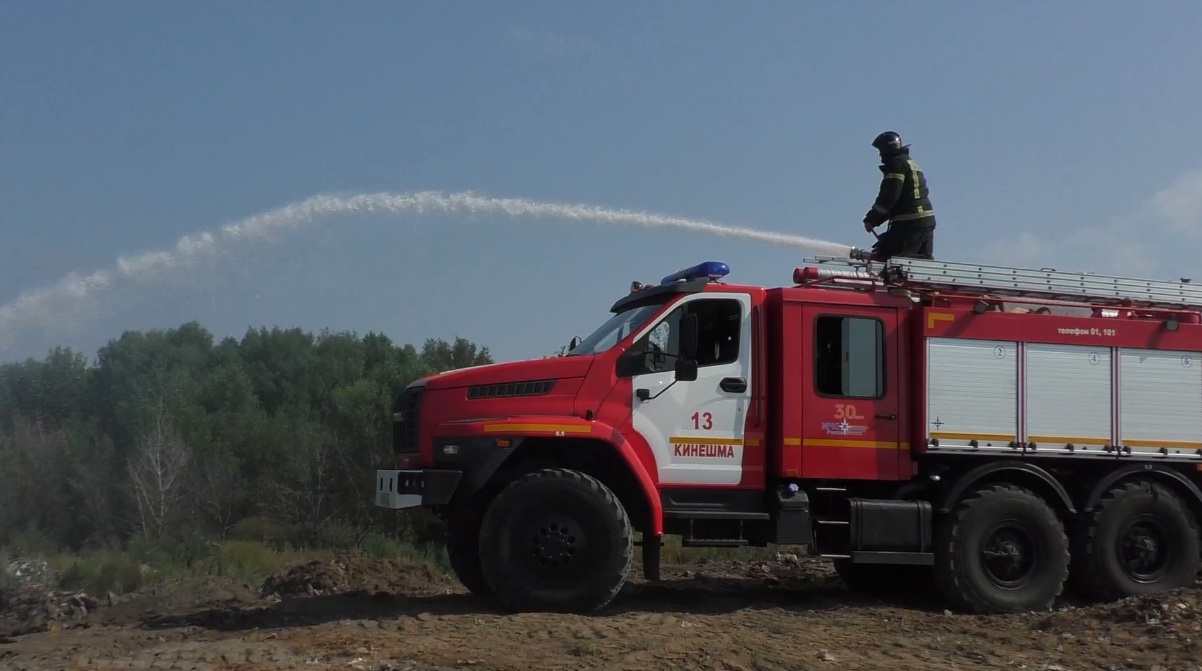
<point x="1104" y="250"/>
<point x="1179" y="206"/>
<point x="1123" y="246"/>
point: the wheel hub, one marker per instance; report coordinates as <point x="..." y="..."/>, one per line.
<point x="555" y="542"/>
<point x="1144" y="551"/>
<point x="1008" y="556"/>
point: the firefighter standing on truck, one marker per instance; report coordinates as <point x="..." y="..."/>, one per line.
<point x="904" y="202"/>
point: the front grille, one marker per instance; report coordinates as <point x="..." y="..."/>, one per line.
<point x="512" y="389"/>
<point x="405" y="425"/>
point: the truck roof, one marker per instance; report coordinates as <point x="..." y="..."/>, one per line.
<point x="902" y="282"/>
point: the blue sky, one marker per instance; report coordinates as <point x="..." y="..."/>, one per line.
<point x="1054" y="134"/>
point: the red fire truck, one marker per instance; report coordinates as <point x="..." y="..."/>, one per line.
<point x="1001" y="433"/>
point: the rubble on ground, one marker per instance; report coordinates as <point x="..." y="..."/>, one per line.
<point x="330" y="614"/>
<point x="30" y="607"/>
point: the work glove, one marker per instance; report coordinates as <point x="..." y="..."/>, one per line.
<point x="872" y="220"/>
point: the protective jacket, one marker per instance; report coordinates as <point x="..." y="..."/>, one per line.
<point x="904" y="197"/>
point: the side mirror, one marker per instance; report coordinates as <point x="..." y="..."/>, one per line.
<point x="574" y="344"/>
<point x="686" y="370"/>
<point x="688" y="336"/>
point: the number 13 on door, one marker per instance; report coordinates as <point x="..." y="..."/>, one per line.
<point x="703" y="421"/>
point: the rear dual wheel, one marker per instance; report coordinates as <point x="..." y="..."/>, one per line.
<point x="1140" y="539"/>
<point x="556" y="540"/>
<point x="1001" y="550"/>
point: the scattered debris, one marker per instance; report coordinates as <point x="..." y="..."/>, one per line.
<point x="356" y="612"/>
<point x="29" y="607"/>
<point x="32" y="572"/>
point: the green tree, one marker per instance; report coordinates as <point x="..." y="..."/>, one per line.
<point x="172" y="433"/>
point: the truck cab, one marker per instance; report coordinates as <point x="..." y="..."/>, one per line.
<point x="734" y="415"/>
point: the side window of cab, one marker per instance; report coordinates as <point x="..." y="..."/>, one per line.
<point x="849" y="357"/>
<point x="719" y="328"/>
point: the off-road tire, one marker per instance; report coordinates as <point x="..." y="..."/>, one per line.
<point x="1151" y="512"/>
<point x="885" y="580"/>
<point x="1001" y="519"/>
<point x="556" y="540"/>
<point x="463" y="549"/>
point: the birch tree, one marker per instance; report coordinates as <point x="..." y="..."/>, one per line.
<point x="157" y="471"/>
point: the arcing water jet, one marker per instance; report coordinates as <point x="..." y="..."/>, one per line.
<point x="37" y="306"/>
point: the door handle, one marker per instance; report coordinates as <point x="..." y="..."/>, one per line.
<point x="882" y="415"/>
<point x="733" y="384"/>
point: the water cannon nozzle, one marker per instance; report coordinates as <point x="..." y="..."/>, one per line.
<point x="857" y="254"/>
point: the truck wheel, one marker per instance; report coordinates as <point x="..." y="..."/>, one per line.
<point x="1140" y="539"/>
<point x="556" y="540"/>
<point x="463" y="550"/>
<point x="1002" y="550"/>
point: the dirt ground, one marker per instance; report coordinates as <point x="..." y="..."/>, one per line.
<point x="787" y="614"/>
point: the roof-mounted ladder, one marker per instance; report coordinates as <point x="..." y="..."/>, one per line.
<point x="968" y="278"/>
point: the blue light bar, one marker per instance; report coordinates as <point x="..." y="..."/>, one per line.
<point x="710" y="269"/>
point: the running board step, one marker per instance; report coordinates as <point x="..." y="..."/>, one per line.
<point x="715" y="515"/>
<point x="713" y="542"/>
<point x="885" y="557"/>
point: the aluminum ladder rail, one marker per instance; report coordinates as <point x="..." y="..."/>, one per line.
<point x="969" y="278"/>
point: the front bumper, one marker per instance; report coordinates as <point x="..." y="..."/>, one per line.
<point x="398" y="489"/>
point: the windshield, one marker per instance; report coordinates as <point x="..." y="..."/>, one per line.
<point x="614" y="330"/>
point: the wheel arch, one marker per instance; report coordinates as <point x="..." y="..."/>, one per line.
<point x="1178" y="483"/>
<point x="615" y="466"/>
<point x="1018" y="473"/>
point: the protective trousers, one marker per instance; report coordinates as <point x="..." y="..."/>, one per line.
<point x="907" y="241"/>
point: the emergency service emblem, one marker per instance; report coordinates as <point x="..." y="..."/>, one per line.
<point x="841" y="426"/>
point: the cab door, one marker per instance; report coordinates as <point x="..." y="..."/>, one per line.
<point x="851" y="419"/>
<point x="696" y="428"/>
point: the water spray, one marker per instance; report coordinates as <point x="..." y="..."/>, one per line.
<point x="38" y="306"/>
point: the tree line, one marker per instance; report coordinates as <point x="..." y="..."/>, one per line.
<point x="171" y="434"/>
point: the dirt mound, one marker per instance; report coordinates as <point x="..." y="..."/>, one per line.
<point x="1167" y="608"/>
<point x="30" y="608"/>
<point x="784" y="568"/>
<point x="356" y="573"/>
<point x="1168" y="614"/>
<point x="179" y="595"/>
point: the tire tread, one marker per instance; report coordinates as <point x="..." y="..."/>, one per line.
<point x="1092" y="582"/>
<point x="463" y="552"/>
<point x="490" y="527"/>
<point x="948" y="575"/>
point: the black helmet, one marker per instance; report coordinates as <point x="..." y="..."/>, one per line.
<point x="887" y="141"/>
